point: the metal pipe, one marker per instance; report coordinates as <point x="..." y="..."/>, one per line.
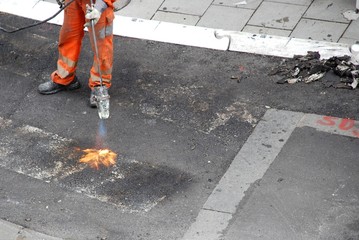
<point x="95" y="45"/>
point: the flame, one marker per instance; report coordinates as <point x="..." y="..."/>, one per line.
<point x="97" y="157"/>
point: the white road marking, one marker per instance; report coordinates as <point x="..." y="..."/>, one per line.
<point x="252" y="162"/>
<point x="249" y="166"/>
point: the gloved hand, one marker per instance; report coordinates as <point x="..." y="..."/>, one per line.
<point x="93" y="14"/>
<point x="60" y="2"/>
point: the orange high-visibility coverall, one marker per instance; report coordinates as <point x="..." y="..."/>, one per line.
<point x="70" y="41"/>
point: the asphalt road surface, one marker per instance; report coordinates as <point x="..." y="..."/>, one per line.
<point x="179" y="116"/>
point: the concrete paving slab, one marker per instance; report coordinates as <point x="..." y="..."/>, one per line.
<point x="352" y="31"/>
<point x="268" y="31"/>
<point x="329" y="11"/>
<point x="347" y="41"/>
<point x="250" y="4"/>
<point x="299" y="2"/>
<point x="176" y="18"/>
<point x="319" y="30"/>
<point x="233" y="19"/>
<point x="145" y="9"/>
<point x="285" y="17"/>
<point x="194" y="7"/>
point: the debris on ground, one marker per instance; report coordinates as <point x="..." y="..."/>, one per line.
<point x="351" y="15"/>
<point x="337" y="72"/>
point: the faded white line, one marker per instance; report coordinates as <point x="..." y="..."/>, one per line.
<point x="12" y="231"/>
<point x="250" y="165"/>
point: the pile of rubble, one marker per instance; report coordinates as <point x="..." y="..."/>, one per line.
<point x="339" y="72"/>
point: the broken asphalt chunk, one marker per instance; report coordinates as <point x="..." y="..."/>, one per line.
<point x="314" y="77"/>
<point x="331" y="79"/>
<point x="354" y="83"/>
<point x="309" y="68"/>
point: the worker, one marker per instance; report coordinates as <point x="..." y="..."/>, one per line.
<point x="77" y="16"/>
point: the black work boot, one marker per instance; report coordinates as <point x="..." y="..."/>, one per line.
<point x="92" y="102"/>
<point x="50" y="87"/>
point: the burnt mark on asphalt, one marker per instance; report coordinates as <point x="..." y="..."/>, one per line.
<point x="131" y="184"/>
<point x="143" y="185"/>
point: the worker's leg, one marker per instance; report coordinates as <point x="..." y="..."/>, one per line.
<point x="104" y="37"/>
<point x="70" y="41"/>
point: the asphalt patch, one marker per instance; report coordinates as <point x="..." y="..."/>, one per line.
<point x="130" y="184"/>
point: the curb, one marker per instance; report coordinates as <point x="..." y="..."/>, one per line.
<point x="218" y="39"/>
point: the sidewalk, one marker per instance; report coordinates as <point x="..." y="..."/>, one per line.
<point x="305" y="19"/>
<point x="241" y="26"/>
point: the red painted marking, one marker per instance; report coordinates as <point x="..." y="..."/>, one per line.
<point x="346" y="124"/>
<point x="343" y="124"/>
<point x="327" y="121"/>
<point x="356" y="133"/>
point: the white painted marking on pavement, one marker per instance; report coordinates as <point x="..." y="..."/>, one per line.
<point x="250" y="165"/>
<point x="11" y="231"/>
<point x="209" y="225"/>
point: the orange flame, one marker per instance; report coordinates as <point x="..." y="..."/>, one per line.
<point x="97" y="157"/>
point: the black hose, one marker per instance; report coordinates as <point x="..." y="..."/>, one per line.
<point x="38" y="23"/>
